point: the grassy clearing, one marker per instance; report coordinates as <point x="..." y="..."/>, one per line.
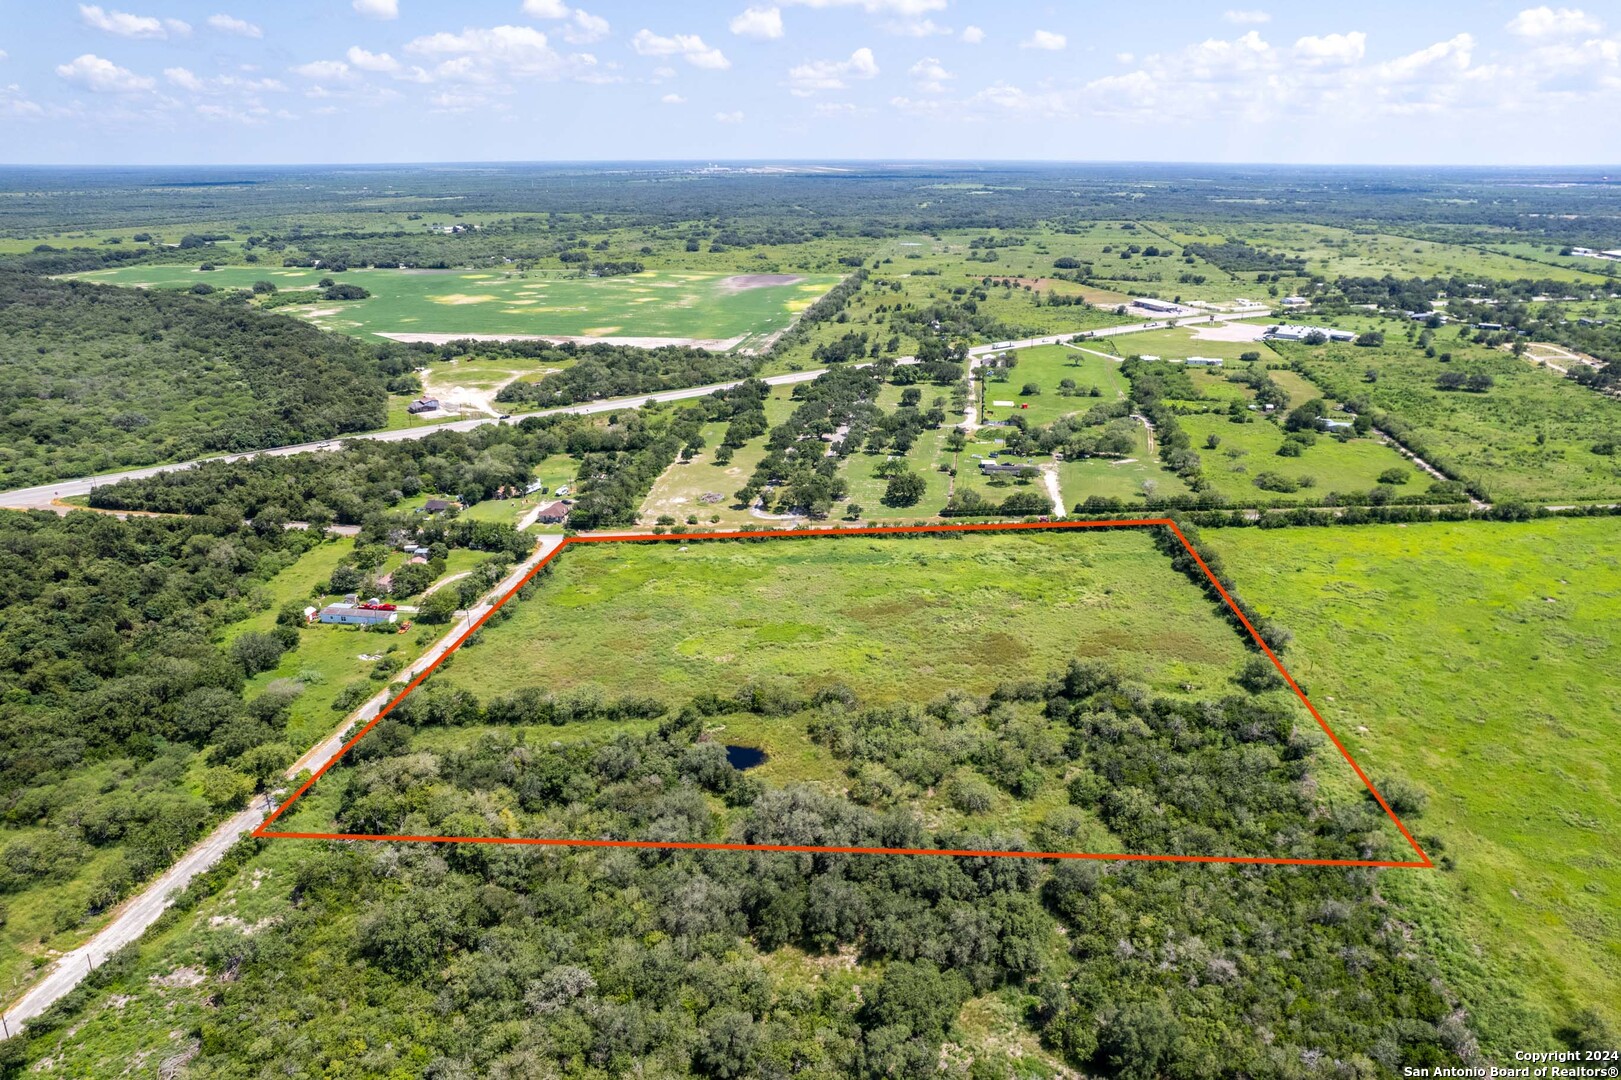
<point x="1246" y="449"/>
<point x="1047" y="366"/>
<point x="926" y="456"/>
<point x="1477" y="660"/>
<point x="1118" y="478"/>
<point x="1333" y="252"/>
<point x="1531" y="436"/>
<point x="668" y="303"/>
<point x="892" y="619"/>
<point x="1183" y="342"/>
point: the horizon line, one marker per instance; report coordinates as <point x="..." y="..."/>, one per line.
<point x="803" y="162"/>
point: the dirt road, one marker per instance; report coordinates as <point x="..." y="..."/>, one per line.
<point x="1049" y="476"/>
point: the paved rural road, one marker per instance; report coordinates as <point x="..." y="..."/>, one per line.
<point x="46" y="496"/>
<point x="137" y="914"/>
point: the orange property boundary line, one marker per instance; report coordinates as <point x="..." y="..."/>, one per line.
<point x="1422" y="862"/>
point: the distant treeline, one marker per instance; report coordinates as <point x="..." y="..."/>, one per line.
<point x="94" y="378"/>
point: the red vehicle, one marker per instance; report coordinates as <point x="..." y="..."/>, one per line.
<point x="376" y="607"/>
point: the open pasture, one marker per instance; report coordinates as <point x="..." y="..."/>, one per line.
<point x="723" y="310"/>
<point x="1533" y="434"/>
<point x="893" y="619"/>
<point x="1476" y="660"/>
<point x="1335" y="252"/>
<point x="1047" y="366"/>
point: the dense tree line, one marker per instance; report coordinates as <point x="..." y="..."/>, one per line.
<point x="96" y="378"/>
<point x="626" y="459"/>
<point x="969" y="503"/>
<point x="591" y="963"/>
<point x="606" y="371"/>
<point x="111" y="683"/>
<point x="363" y="478"/>
<point x="1237" y="257"/>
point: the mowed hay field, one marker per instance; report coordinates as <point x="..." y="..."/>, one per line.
<point x="892" y="619"/>
<point x="1478" y="661"/>
<point x="713" y="307"/>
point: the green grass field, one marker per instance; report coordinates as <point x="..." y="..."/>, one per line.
<point x="1047" y="366"/>
<point x="652" y="304"/>
<point x="1531" y="436"/>
<point x="1330" y="251"/>
<point x="895" y="621"/>
<point x="1118" y="478"/>
<point x="1185" y="341"/>
<point x="926" y="457"/>
<point x="890" y="618"/>
<point x="1478" y="661"/>
<point x="1248" y="449"/>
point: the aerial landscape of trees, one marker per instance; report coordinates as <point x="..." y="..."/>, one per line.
<point x="157" y="673"/>
<point x="96" y="378"/>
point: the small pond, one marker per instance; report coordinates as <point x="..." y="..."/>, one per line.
<point x="744" y="757"/>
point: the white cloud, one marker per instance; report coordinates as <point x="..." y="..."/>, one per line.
<point x="1332" y="49"/>
<point x="673" y="99"/>
<point x="729" y="117"/>
<point x="1251" y="17"/>
<point x="488" y="54"/>
<point x="1326" y="80"/>
<point x="126" y="25"/>
<point x="4" y="55"/>
<point x="1125" y="57"/>
<point x="249" y="114"/>
<point x="324" y="71"/>
<point x="183" y="78"/>
<point x="917" y="28"/>
<point x="879" y="7"/>
<point x="378" y="9"/>
<point x="103" y="76"/>
<point x="931" y="75"/>
<point x="370" y="61"/>
<point x="1427" y="64"/>
<point x="1547" y="22"/>
<point x="580" y="27"/>
<point x="758" y="23"/>
<point x="691" y="47"/>
<point x="584" y="28"/>
<point x="227" y="24"/>
<point x="1046" y="40"/>
<point x="13" y="104"/>
<point x="972" y="35"/>
<point x="186" y="79"/>
<point x="458" y="101"/>
<point x="812" y="76"/>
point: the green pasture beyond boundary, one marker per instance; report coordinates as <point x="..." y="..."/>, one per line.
<point x="651" y="304"/>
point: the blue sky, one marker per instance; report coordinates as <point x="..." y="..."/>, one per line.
<point x="291" y="81"/>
